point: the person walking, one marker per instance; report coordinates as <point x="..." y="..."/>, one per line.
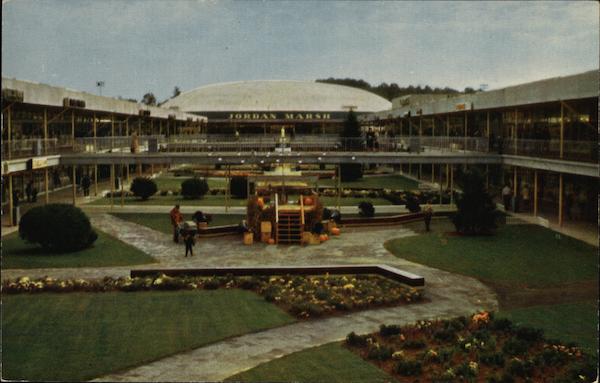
<point x="188" y="239"/>
<point x="506" y="196"/>
<point x="176" y="219"/>
<point x="427" y="214"/>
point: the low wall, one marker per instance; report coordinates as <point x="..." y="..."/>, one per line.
<point x="383" y="270"/>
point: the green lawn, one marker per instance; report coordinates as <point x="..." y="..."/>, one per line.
<point x="219" y="200"/>
<point x="174" y="183"/>
<point x="157" y="200"/>
<point x="106" y="251"/>
<point x="162" y="222"/>
<point x="571" y="322"/>
<point x="80" y="336"/>
<point x="525" y="254"/>
<point x="386" y="182"/>
<point x="327" y="363"/>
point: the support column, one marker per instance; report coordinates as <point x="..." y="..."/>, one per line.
<point x="562" y="129"/>
<point x="487" y="124"/>
<point x="516" y="129"/>
<point x="73" y="129"/>
<point x="447" y="175"/>
<point x="535" y="193"/>
<point x="45" y="130"/>
<point x="74" y="185"/>
<point x="96" y="180"/>
<point x="227" y="187"/>
<point x="420" y="135"/>
<point x="451" y="184"/>
<point x="122" y="187"/>
<point x="515" y="184"/>
<point x="466" y="122"/>
<point x="9" y="139"/>
<point x="47" y="195"/>
<point x="339" y="186"/>
<point x="560" y="199"/>
<point x="112" y="185"/>
<point x="10" y="201"/>
<point x="112" y="131"/>
<point x="440" y="180"/>
<point x="94" y="131"/>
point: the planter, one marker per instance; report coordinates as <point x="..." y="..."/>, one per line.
<point x="248" y="238"/>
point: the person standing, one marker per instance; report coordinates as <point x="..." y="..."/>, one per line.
<point x="525" y="197"/>
<point x="506" y="196"/>
<point x="427" y="214"/>
<point x="29" y="190"/>
<point x="85" y="185"/>
<point x="176" y="219"/>
<point x="188" y="239"/>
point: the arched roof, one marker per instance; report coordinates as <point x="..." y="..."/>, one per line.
<point x="277" y="95"/>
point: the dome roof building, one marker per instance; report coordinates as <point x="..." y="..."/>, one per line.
<point x="258" y="106"/>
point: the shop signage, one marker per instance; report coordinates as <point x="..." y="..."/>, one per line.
<point x="37" y="163"/>
<point x="280" y="116"/>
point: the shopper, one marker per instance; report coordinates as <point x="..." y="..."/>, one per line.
<point x="176" y="220"/>
<point x="427" y="214"/>
<point x="188" y="239"/>
<point x="506" y="196"/>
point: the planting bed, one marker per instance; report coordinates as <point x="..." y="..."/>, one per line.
<point x="476" y="349"/>
<point x="301" y="296"/>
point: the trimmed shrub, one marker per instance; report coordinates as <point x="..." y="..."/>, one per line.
<point x="515" y="347"/>
<point x="366" y="209"/>
<point x="380" y="353"/>
<point x="143" y="187"/>
<point x="412" y="203"/>
<point x="356" y="340"/>
<point x="238" y="186"/>
<point x="351" y="172"/>
<point x="409" y="368"/>
<point x="389" y="330"/>
<point x="57" y="228"/>
<point x="194" y="188"/>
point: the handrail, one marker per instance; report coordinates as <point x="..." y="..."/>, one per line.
<point x="276" y="208"/>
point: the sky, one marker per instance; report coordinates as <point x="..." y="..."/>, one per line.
<point x="137" y="47"/>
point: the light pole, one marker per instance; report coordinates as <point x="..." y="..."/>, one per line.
<point x="100" y="84"/>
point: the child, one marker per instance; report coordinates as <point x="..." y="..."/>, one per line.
<point x="188" y="239"/>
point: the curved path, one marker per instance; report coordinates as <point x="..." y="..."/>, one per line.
<point x="449" y="294"/>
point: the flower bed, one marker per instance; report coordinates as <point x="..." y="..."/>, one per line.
<point x="476" y="349"/>
<point x="302" y="296"/>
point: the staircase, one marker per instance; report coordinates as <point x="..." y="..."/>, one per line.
<point x="289" y="227"/>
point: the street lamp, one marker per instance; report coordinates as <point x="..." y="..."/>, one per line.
<point x="100" y="84"/>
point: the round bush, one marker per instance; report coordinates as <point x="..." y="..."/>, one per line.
<point x="194" y="188"/>
<point x="143" y="187"/>
<point x="366" y="209"/>
<point x="239" y="187"/>
<point x="57" y="228"/>
<point x="412" y="204"/>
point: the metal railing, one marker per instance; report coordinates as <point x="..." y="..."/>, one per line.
<point x="572" y="150"/>
<point x="31" y="147"/>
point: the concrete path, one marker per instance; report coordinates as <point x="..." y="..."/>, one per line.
<point x="449" y="294"/>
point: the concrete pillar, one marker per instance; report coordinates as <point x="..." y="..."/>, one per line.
<point x="47" y="195"/>
<point x="74" y="185"/>
<point x="95" y="180"/>
<point x="122" y="187"/>
<point x="45" y="130"/>
<point x="560" y="199"/>
<point x="10" y="200"/>
<point x="112" y="185"/>
<point x="562" y="129"/>
<point x="515" y="181"/>
<point x="73" y="128"/>
<point x="516" y="129"/>
<point x="535" y="193"/>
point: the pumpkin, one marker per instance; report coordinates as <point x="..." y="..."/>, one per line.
<point x="308" y="201"/>
<point x="271" y="241"/>
<point x="335" y="231"/>
<point x="323" y="237"/>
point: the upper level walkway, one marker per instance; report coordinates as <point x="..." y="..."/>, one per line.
<point x="325" y="149"/>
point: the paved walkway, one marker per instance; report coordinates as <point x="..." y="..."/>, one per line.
<point x="449" y="295"/>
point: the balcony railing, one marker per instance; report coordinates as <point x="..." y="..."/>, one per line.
<point x="572" y="150"/>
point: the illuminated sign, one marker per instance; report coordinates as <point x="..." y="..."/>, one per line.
<point x="37" y="163"/>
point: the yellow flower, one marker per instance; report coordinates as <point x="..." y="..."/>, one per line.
<point x="398" y="355"/>
<point x="348" y="286"/>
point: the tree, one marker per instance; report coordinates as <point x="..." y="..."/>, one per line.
<point x="352" y="134"/>
<point x="149" y="99"/>
<point x="477" y="212"/>
<point x="176" y="91"/>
